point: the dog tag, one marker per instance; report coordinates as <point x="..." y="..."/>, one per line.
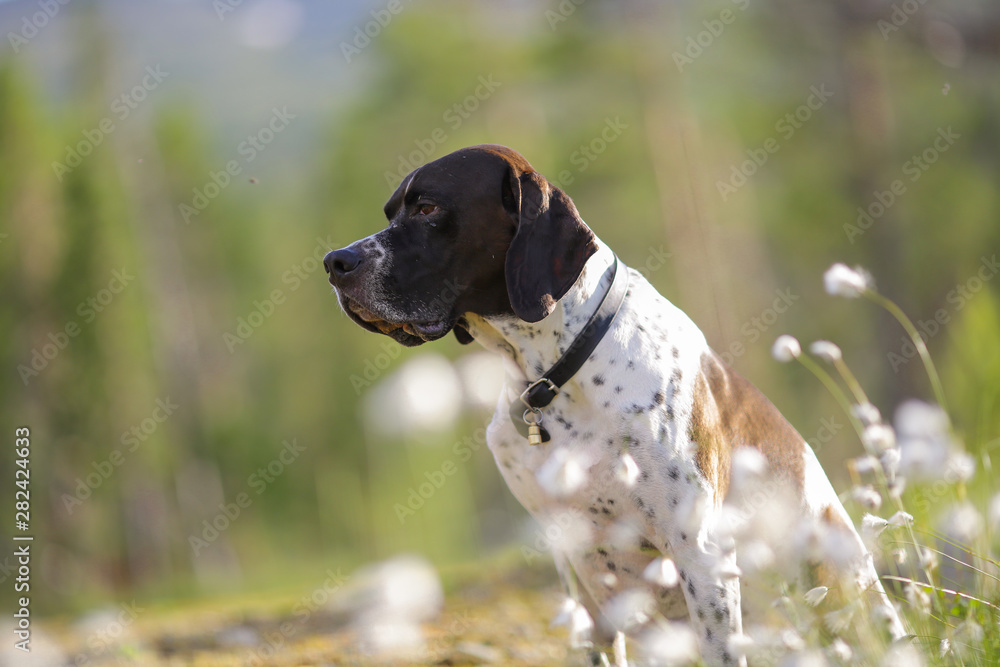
<point x="534" y="426"/>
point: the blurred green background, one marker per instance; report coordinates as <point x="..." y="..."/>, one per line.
<point x="203" y="418"/>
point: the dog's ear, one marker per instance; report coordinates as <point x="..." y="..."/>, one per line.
<point x="550" y="247"/>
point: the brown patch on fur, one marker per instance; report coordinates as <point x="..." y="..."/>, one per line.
<point x="729" y="412"/>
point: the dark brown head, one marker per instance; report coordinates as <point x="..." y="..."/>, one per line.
<point x="476" y="231"/>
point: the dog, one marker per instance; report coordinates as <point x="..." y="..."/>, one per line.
<point x="645" y="426"/>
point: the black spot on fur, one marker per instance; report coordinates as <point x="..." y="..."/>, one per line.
<point x="598" y="380"/>
<point x="674" y="473"/>
<point x="593" y="510"/>
<point x="719" y="616"/>
<point x="684" y="537"/>
<point x="676" y="353"/>
<point x="659" y="398"/>
<point x="602" y="551"/>
<point x="691" y="587"/>
<point x="612" y="566"/>
<point x="618" y="389"/>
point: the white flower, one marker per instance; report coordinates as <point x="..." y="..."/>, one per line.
<point x="918" y="598"/>
<point x="670" y="644"/>
<point x="562" y="473"/>
<point x="960" y="467"/>
<point x="840" y="280"/>
<point x="739" y="645"/>
<point x="878" y="438"/>
<point x="629" y="609"/>
<point x="871" y="527"/>
<point x="575" y="616"/>
<point x="924" y="439"/>
<point x="995" y="512"/>
<point x="826" y="351"/>
<point x="627" y="471"/>
<point x="839" y="621"/>
<point x="867" y="497"/>
<point x="725" y="568"/>
<point x="866" y="413"/>
<point x="963" y="523"/>
<point x="865" y="465"/>
<point x="786" y="348"/>
<point x="902" y="655"/>
<point x="662" y="572"/>
<point x="841" y="650"/>
<point x="928" y="559"/>
<point x="901" y="518"/>
<point x="815" y="595"/>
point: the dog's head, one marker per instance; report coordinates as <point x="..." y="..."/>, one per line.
<point x="476" y="231"/>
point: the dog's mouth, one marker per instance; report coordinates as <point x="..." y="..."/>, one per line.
<point x="407" y="333"/>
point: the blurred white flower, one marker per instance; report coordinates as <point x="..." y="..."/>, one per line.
<point x="899" y="556"/>
<point x="792" y="640"/>
<point x="563" y="532"/>
<point x="960" y="467"/>
<point x="815" y="595"/>
<point x="575" y="616"/>
<point x="662" y="572"/>
<point x="627" y="471"/>
<point x="389" y="600"/>
<point x="563" y="472"/>
<point x="878" y="438"/>
<point x="805" y="659"/>
<point x="839" y="621"/>
<point x="963" y="523"/>
<point x="944" y="648"/>
<point x="890" y="461"/>
<point x="786" y="348"/>
<point x="739" y="644"/>
<point x="928" y="559"/>
<point x="918" y="598"/>
<point x="841" y="650"/>
<point x="482" y="376"/>
<point x="867" y="497"/>
<point x="425" y="394"/>
<point x="755" y="555"/>
<point x="825" y="350"/>
<point x="901" y="518"/>
<point x="902" y="655"/>
<point x="670" y="644"/>
<point x="967" y="639"/>
<point x="866" y="413"/>
<point x="995" y="512"/>
<point x="841" y="280"/>
<point x="629" y="609"/>
<point x="865" y="465"/>
<point x="922" y="431"/>
<point x="748" y="468"/>
<point x="726" y="568"/>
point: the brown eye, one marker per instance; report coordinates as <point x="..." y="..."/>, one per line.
<point x="427" y="209"/>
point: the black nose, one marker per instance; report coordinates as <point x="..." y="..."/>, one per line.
<point x="339" y="263"/>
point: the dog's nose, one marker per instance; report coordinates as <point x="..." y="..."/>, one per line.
<point x="339" y="263"/>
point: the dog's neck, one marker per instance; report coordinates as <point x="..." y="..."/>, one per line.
<point x="530" y="349"/>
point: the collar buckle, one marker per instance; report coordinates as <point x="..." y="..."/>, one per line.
<point x="539" y="393"/>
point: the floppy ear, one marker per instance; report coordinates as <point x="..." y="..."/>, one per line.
<point x="549" y="249"/>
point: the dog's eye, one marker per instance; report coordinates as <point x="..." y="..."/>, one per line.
<point x="426" y="209"/>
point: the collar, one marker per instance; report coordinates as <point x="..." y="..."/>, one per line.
<point x="525" y="412"/>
